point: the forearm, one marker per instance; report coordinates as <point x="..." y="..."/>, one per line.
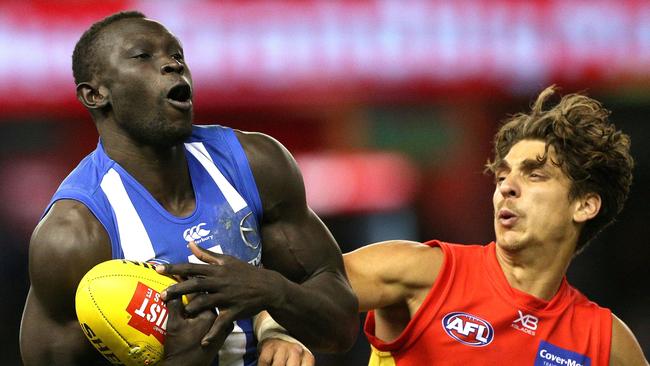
<point x="50" y="347"/>
<point x="321" y="312"/>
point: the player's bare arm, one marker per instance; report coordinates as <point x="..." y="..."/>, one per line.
<point x="64" y="246"/>
<point x="298" y="245"/>
<point x="389" y="273"/>
<point x="303" y="272"/>
<point x="393" y="278"/>
<point x="67" y="243"/>
<point x="626" y="350"/>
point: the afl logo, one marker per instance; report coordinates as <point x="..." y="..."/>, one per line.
<point x="468" y="329"/>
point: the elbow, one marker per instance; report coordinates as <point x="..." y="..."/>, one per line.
<point x="349" y="339"/>
<point x="349" y="329"/>
<point x="343" y="340"/>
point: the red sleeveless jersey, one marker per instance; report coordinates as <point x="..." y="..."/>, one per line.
<point x="472" y="316"/>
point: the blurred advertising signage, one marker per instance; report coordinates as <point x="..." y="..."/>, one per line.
<point x="241" y="50"/>
<point x="358" y="182"/>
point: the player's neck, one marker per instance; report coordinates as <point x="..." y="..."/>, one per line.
<point x="536" y="269"/>
<point x="163" y="172"/>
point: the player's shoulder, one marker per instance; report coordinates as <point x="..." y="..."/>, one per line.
<point x="87" y="176"/>
<point x="262" y="150"/>
<point x="261" y="146"/>
<point x="582" y="303"/>
<point x="68" y="238"/>
<point x="68" y="229"/>
<point x="402" y="248"/>
<point x="461" y="248"/>
<point x="207" y="132"/>
<point x="625" y="349"/>
<point x="462" y="253"/>
<point x="276" y="171"/>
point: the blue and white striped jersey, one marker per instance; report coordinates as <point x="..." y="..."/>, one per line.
<point x="226" y="218"/>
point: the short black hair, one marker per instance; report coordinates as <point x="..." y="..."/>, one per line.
<point x="84" y="57"/>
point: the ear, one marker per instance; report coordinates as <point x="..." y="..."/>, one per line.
<point x="587" y="207"/>
<point x="91" y="97"/>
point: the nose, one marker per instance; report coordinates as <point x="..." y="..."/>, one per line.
<point x="509" y="187"/>
<point x="171" y="66"/>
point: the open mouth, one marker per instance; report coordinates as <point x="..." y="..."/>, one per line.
<point x="180" y="96"/>
<point x="507" y="218"/>
<point x="505" y="214"/>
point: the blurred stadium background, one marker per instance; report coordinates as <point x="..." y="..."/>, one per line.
<point x="388" y="106"/>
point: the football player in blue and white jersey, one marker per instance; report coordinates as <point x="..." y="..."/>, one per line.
<point x="155" y="182"/>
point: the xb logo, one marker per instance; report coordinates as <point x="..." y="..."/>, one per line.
<point x="528" y="321"/>
<point x="195" y="232"/>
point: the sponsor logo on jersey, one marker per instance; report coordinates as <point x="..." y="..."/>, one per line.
<point x="148" y="312"/>
<point x="248" y="231"/>
<point x="468" y="329"/>
<point x="552" y="355"/>
<point x="526" y="323"/>
<point x="197" y="233"/>
<point x="257" y="260"/>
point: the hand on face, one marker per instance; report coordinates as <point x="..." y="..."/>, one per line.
<point x="237" y="289"/>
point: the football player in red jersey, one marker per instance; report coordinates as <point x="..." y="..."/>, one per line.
<point x="561" y="175"/>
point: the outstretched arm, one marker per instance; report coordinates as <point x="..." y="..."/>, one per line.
<point x="392" y="278"/>
<point x="396" y="272"/>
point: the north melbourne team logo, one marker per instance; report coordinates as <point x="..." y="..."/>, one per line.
<point x="468" y="329"/>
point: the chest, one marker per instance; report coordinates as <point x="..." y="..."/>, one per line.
<point x="222" y="222"/>
<point x="477" y="323"/>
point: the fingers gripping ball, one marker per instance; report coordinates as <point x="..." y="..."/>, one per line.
<point x="121" y="312"/>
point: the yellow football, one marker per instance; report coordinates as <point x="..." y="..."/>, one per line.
<point x="121" y="312"/>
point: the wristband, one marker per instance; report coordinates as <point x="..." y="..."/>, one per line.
<point x="269" y="328"/>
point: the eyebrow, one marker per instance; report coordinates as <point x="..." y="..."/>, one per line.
<point x="501" y="165"/>
<point x="532" y="164"/>
<point x="526" y="165"/>
<point x="144" y="42"/>
<point x="139" y="42"/>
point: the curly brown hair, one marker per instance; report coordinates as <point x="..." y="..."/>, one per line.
<point x="589" y="149"/>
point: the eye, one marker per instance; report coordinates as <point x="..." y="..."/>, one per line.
<point x="536" y="175"/>
<point x="177" y="57"/>
<point x="142" y="56"/>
